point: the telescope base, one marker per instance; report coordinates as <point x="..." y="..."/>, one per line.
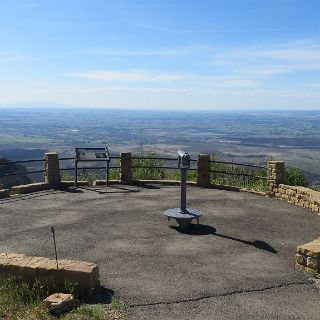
<point x="183" y="218"/>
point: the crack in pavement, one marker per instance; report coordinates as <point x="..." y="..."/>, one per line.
<point x="218" y="295"/>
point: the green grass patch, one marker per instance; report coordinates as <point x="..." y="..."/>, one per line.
<point x="19" y="300"/>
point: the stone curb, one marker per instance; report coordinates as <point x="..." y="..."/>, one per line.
<point x="84" y="275"/>
<point x="32" y="187"/>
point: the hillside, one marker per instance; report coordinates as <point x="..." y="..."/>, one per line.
<point x="6" y="182"/>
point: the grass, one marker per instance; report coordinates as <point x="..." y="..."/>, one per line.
<point x="19" y="300"/>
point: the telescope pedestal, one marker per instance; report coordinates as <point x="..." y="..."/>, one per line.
<point x="183" y="218"/>
<point x="183" y="215"/>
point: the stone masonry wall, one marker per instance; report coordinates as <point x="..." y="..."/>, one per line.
<point x="308" y="256"/>
<point x="299" y="196"/>
<point x="52" y="169"/>
<point x="275" y="176"/>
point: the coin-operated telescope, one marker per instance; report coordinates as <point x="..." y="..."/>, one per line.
<point x="183" y="215"/>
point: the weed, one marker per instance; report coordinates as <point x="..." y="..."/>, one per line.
<point x="71" y="287"/>
<point x="86" y="312"/>
<point x="315" y="274"/>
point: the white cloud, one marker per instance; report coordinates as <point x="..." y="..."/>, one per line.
<point x="132" y="76"/>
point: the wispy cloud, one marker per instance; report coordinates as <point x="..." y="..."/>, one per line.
<point x="11" y="56"/>
<point x="177" y="79"/>
<point x="132" y="76"/>
<point x="315" y="85"/>
<point x="178" y="51"/>
<point x="266" y="60"/>
<point x="176" y="31"/>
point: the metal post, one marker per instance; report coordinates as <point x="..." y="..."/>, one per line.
<point x="183" y="190"/>
<point x="76" y="167"/>
<point x="55" y="246"/>
<point x="107" y="178"/>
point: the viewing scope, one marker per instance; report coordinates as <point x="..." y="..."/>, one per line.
<point x="183" y="160"/>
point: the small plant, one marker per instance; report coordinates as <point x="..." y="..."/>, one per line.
<point x="116" y="304"/>
<point x="315" y="274"/>
<point x="71" y="287"/>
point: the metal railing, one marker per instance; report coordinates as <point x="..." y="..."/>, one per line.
<point x="239" y="175"/>
<point x="233" y="172"/>
<point x="159" y="159"/>
<point x="88" y="160"/>
<point x="3" y="163"/>
<point x="227" y="167"/>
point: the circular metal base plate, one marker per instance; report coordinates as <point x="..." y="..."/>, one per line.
<point x="177" y="213"/>
<point x="183" y="218"/>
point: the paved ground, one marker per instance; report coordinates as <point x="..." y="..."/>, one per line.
<point x="238" y="264"/>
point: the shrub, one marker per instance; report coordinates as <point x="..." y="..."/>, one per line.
<point x="295" y="177"/>
<point x="148" y="173"/>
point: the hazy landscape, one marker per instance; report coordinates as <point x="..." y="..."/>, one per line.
<point x="245" y="136"/>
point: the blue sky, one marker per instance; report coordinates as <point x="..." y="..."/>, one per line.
<point x="167" y="54"/>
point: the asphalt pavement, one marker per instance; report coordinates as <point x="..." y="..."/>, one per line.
<point x="237" y="264"/>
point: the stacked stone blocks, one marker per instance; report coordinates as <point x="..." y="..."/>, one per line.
<point x="52" y="169"/>
<point x="203" y="178"/>
<point x="275" y="176"/>
<point x="83" y="274"/>
<point x="126" y="167"/>
<point x="299" y="196"/>
<point x="308" y="256"/>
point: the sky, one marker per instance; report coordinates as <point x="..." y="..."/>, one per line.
<point x="161" y="54"/>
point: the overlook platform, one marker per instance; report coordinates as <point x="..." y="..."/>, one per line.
<point x="237" y="264"/>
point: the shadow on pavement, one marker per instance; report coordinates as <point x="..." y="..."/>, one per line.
<point x="31" y="195"/>
<point x="71" y="190"/>
<point x="102" y="296"/>
<point x="150" y="186"/>
<point x="112" y="189"/>
<point x="202" y="230"/>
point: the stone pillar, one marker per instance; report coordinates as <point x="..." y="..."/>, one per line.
<point x="126" y="167"/>
<point x="203" y="179"/>
<point x="276" y="171"/>
<point x="52" y="169"/>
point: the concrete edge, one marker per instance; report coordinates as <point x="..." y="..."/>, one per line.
<point x="32" y="187"/>
<point x="72" y="183"/>
<point x="83" y="275"/>
<point x="4" y="193"/>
